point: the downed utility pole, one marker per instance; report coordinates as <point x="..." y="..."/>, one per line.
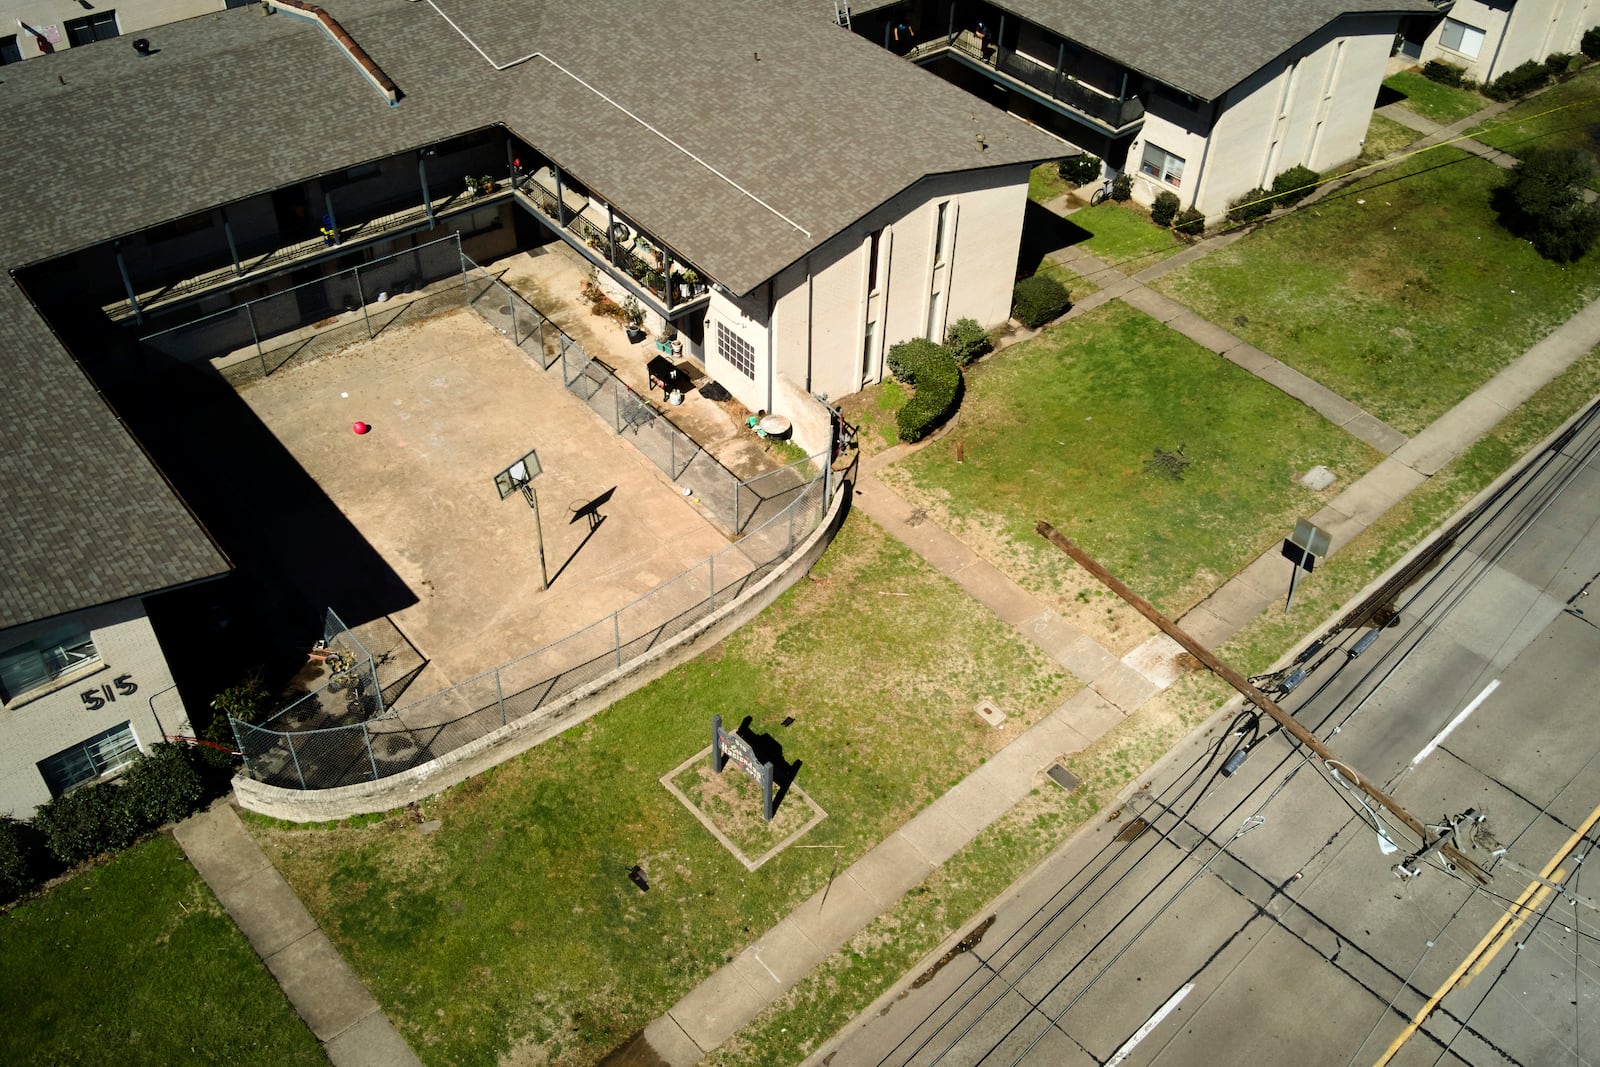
<point x="1259" y="699"/>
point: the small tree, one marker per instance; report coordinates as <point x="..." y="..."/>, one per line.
<point x="967" y="340"/>
<point x="1079" y="170"/>
<point x="1038" y="300"/>
<point x="1122" y="188"/>
<point x="907" y="358"/>
<point x="1542" y="202"/>
<point x="1165" y="208"/>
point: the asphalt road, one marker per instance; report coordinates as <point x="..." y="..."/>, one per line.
<point x="1257" y="918"/>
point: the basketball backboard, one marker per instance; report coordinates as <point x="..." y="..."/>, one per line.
<point x="517" y="475"/>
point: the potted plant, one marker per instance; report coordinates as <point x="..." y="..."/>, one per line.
<point x="633" y="319"/>
<point x="472" y="186"/>
<point x="654" y="282"/>
<point x="691" y="278"/>
<point x="486" y="184"/>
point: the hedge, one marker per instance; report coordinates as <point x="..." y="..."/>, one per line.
<point x="1252" y="205"/>
<point x="967" y="340"/>
<point x="1079" y="170"/>
<point x="1190" y="221"/>
<point x="907" y="358"/>
<point x="1038" y="300"/>
<point x="1294" y="185"/>
<point x="1436" y="70"/>
<point x="938" y="384"/>
<point x="1590" y="45"/>
<point x="1518" y="81"/>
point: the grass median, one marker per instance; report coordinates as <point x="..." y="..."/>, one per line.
<point x="515" y="927"/>
<point x="1401" y="293"/>
<point x="1563" y="116"/>
<point x="1443" y="104"/>
<point x="135" y="963"/>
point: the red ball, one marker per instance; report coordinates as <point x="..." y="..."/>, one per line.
<point x="361" y="428"/>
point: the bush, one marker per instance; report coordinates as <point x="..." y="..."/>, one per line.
<point x="938" y="384"/>
<point x="1590" y="45"/>
<point x="1518" y="81"/>
<point x="1252" y="205"/>
<point x="1558" y="63"/>
<point x="966" y="340"/>
<point x="1079" y="170"/>
<point x="1191" y="221"/>
<point x="1122" y="188"/>
<point x="1038" y="300"/>
<point x="1436" y="70"/>
<point x="248" y="701"/>
<point x="1165" y="208"/>
<point x="22" y="861"/>
<point x="163" y="786"/>
<point x="86" y="822"/>
<point x="907" y="358"/>
<point x="1542" y="202"/>
<point x="1294" y="185"/>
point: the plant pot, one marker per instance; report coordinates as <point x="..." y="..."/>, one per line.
<point x="635" y="334"/>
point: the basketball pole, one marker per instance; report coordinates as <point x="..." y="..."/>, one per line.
<point x="532" y="498"/>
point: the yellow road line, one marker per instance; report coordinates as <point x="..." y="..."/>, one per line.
<point x="1504" y="929"/>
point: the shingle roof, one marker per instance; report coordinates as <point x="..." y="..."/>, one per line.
<point x="1203" y="47"/>
<point x="743" y="135"/>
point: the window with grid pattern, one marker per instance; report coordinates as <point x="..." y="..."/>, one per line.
<point x="736" y="350"/>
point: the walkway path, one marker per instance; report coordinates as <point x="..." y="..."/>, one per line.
<point x="353" y="1031"/>
<point x="1113" y="687"/>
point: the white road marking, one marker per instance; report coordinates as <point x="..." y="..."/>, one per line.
<point x="1438" y="739"/>
<point x="1153" y="1022"/>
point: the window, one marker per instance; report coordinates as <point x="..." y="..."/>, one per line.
<point x="736" y="350"/>
<point x="25" y="667"/>
<point x="100" y="26"/>
<point x="1459" y="37"/>
<point x="938" y="232"/>
<point x="9" y="52"/>
<point x="1159" y="163"/>
<point x="866" y="351"/>
<point x="97" y="757"/>
<point x="873" y="244"/>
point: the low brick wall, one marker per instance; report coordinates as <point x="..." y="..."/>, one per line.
<point x="320" y="805"/>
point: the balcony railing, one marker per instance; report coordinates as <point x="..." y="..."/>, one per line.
<point x="1106" y="110"/>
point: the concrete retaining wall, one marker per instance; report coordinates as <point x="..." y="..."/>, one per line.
<point x="435" y="776"/>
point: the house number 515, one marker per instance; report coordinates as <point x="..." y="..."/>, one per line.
<point x="95" y="699"/>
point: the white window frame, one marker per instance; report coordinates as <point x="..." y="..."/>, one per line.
<point x="1161" y="165"/>
<point x="59" y="652"/>
<point x="90" y="760"/>
<point x="736" y="351"/>
<point x="1463" y="34"/>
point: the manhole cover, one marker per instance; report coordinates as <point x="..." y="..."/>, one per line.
<point x="1062" y="777"/>
<point x="1132" y="831"/>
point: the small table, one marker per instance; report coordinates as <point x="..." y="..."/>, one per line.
<point x="665" y="375"/>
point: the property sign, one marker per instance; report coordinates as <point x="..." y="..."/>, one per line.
<point x="726" y="748"/>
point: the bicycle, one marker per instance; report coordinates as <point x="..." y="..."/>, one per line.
<point x="1102" y="194"/>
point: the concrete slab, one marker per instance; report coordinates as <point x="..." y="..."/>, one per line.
<point x="782" y="956"/>
<point x="266" y="911"/>
<point x="1316" y="396"/>
<point x="1157" y="660"/>
<point x="976" y="801"/>
<point x="889" y="870"/>
<point x="988" y="586"/>
<point x="835" y="914"/>
<point x="1124" y="687"/>
<point x="1451" y="434"/>
<point x="1232" y="605"/>
<point x="674" y="1047"/>
<point x="322" y="988"/>
<point x="1013" y="769"/>
<point x="1377" y="491"/>
<point x="1339" y="527"/>
<point x="1090" y="714"/>
<point x="372" y="1042"/>
<point x="1056" y="736"/>
<point x="1204" y="332"/>
<point x="935" y="835"/>
<point x="716" y="1008"/>
<point x="1207" y="627"/>
<point x="1069" y="646"/>
<point x="1159" y="307"/>
<point x="220" y="848"/>
<point x="1375" y="432"/>
<point x="1250" y="358"/>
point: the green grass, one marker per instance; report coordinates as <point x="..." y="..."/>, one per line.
<point x="1076" y="285"/>
<point x="1045" y="183"/>
<point x="1124" y="237"/>
<point x="1441" y="103"/>
<point x="515" y="927"/>
<point x="1385" y="137"/>
<point x="1062" y="427"/>
<point x="1401" y="292"/>
<point x="136" y="963"/>
<point x="1565" y="116"/>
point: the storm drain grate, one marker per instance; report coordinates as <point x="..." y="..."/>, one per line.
<point x="1063" y="777"/>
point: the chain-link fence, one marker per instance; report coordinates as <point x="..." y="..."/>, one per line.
<point x="265" y="335"/>
<point x="334" y="754"/>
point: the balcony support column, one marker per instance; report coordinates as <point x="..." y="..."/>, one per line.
<point x="427" y="197"/>
<point x="233" y="249"/>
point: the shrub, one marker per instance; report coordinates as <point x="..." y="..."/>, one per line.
<point x="1079" y="170"/>
<point x="163" y="786"/>
<point x="1038" y="300"/>
<point x="966" y="340"/>
<point x="1294" y="185"/>
<point x="938" y="384"/>
<point x="1518" y="81"/>
<point x="1191" y="221"/>
<point x="1542" y="202"/>
<point x="1165" y="208"/>
<point x="1436" y="70"/>
<point x="1252" y="205"/>
<point x="1122" y="188"/>
<point x="1590" y="45"/>
<point x="22" y="861"/>
<point x="1558" y="63"/>
<point x="248" y="701"/>
<point x="86" y="822"/>
<point x="907" y="357"/>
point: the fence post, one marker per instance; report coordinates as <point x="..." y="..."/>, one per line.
<point x="366" y="739"/>
<point x="499" y="696"/>
<point x="355" y="272"/>
<point x="711" y="565"/>
<point x="736" y="506"/>
<point x="238" y="742"/>
<point x="616" y="634"/>
<point x="295" y="756"/>
<point x="790" y="550"/>
<point x="261" y="355"/>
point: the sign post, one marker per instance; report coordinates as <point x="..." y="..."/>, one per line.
<point x="1303" y="548"/>
<point x="726" y="747"/>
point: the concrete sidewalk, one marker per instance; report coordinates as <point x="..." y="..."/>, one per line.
<point x="326" y="993"/>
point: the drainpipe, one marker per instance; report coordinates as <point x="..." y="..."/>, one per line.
<point x="127" y="285"/>
<point x="999" y="36"/>
<point x="427" y="197"/>
<point x="233" y="249"/>
<point x="811" y="322"/>
<point x="772" y="348"/>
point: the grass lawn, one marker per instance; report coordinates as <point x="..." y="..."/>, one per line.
<point x="1401" y="292"/>
<point x="1385" y="137"/>
<point x="1124" y="237"/>
<point x="1562" y="117"/>
<point x="1441" y="103"/>
<point x="1064" y="428"/>
<point x="1045" y="183"/>
<point x="136" y="963"/>
<point x="514" y="931"/>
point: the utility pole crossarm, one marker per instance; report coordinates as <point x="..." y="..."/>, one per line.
<point x="1290" y="724"/>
